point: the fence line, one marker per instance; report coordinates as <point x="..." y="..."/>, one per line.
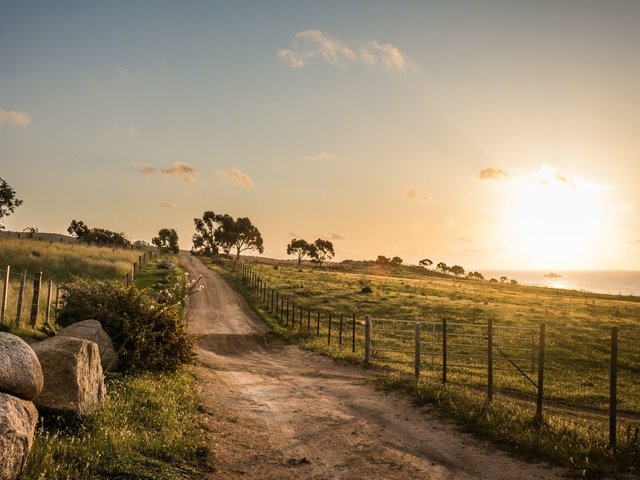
<point x="431" y="344"/>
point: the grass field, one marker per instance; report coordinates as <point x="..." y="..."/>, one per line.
<point x="578" y="325"/>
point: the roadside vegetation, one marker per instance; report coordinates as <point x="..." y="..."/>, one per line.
<point x="574" y="430"/>
<point x="150" y="427"/>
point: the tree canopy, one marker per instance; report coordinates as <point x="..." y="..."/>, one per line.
<point x="98" y="236"/>
<point x="167" y="238"/>
<point x="8" y="201"/>
<point x="301" y="248"/>
<point x="322" y="251"/>
<point x="223" y="232"/>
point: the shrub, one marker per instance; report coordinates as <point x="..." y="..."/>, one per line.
<point x="147" y="335"/>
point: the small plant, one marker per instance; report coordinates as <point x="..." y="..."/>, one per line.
<point x="365" y="285"/>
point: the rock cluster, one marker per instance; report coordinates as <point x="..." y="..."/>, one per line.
<point x="62" y="374"/>
<point x="21" y="381"/>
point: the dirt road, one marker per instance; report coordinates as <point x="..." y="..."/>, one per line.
<point x="277" y="412"/>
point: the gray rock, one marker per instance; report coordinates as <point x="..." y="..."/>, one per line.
<point x="18" y="419"/>
<point x="20" y="372"/>
<point x="73" y="379"/>
<point x="167" y="265"/>
<point x="92" y="330"/>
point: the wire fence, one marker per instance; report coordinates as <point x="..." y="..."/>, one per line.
<point x="434" y="347"/>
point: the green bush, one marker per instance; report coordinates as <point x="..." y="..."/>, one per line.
<point x="148" y="336"/>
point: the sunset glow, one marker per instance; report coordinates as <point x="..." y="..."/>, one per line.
<point x="509" y="141"/>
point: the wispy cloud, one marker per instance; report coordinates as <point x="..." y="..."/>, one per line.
<point x="124" y="73"/>
<point x="180" y="170"/>
<point x="336" y="236"/>
<point x="492" y="174"/>
<point x="414" y="194"/>
<point x="319" y="157"/>
<point x="16" y="117"/>
<point x="308" y="45"/>
<point x="130" y="130"/>
<point x="169" y="205"/>
<point x="236" y="176"/>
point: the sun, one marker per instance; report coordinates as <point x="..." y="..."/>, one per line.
<point x="555" y="221"/>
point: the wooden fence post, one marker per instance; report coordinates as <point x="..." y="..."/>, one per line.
<point x="340" y="331"/>
<point x="367" y="339"/>
<point x="353" y="333"/>
<point x="318" y="324"/>
<point x="287" y="322"/>
<point x="613" y="391"/>
<point x="5" y="294"/>
<point x="444" y="351"/>
<point x="490" y="360"/>
<point x="329" y="332"/>
<point x="37" y="282"/>
<point x="540" y="373"/>
<point x="57" y="304"/>
<point x="309" y="321"/>
<point x="127" y="280"/>
<point x="23" y="281"/>
<point x="300" y="326"/>
<point x="417" y="351"/>
<point x="49" y="292"/>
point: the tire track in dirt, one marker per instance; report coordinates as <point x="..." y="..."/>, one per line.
<point x="277" y="412"/>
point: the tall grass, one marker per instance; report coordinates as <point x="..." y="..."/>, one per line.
<point x="62" y="262"/>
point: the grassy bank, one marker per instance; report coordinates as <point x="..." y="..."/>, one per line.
<point x="150" y="427"/>
<point x="577" y="356"/>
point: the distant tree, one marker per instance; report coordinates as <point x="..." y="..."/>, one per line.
<point x="204" y="241"/>
<point x="8" y="201"/>
<point x="299" y="247"/>
<point x="457" y="270"/>
<point x="167" y="238"/>
<point x="239" y="234"/>
<point x="442" y="267"/>
<point x="513" y="281"/>
<point x="141" y="245"/>
<point x="396" y="261"/>
<point x="493" y="280"/>
<point x="475" y="276"/>
<point x="78" y="229"/>
<point x="322" y="251"/>
<point x="503" y="279"/>
<point x="31" y="231"/>
<point x="425" y="262"/>
<point x="105" y="238"/>
<point x="98" y="236"/>
<point x="382" y="260"/>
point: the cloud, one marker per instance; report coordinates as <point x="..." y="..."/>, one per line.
<point x="124" y="73"/>
<point x="308" y="45"/>
<point x="181" y="170"/>
<point x="16" y="117"/>
<point x="336" y="236"/>
<point x="548" y="176"/>
<point x="235" y="176"/>
<point x="413" y="194"/>
<point x="130" y="130"/>
<point x="493" y="174"/>
<point x="318" y="157"/>
<point x="169" y="205"/>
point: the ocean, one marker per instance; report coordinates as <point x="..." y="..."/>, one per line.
<point x="613" y="282"/>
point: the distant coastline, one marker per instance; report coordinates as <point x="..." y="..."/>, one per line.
<point x="552" y="275"/>
<point x="608" y="282"/>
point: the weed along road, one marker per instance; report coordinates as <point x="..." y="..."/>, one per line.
<point x="277" y="412"/>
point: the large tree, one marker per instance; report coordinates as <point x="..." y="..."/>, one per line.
<point x="239" y="234"/>
<point x="78" y="229"/>
<point x="322" y="251"/>
<point x="98" y="236"/>
<point x="457" y="270"/>
<point x="8" y="201"/>
<point x="204" y="241"/>
<point x="299" y="247"/>
<point x="167" y="238"/>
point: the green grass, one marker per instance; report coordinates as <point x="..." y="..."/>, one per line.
<point x="149" y="429"/>
<point x="577" y="354"/>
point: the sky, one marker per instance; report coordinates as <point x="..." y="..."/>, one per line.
<point x="488" y="134"/>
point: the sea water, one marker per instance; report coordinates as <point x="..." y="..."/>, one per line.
<point x="610" y="282"/>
